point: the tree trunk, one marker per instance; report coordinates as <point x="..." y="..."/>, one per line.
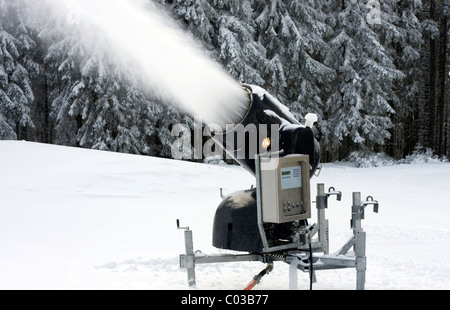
<point x="432" y="95"/>
<point x="442" y="96"/>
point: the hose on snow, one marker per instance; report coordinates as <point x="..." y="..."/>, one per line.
<point x="257" y="279"/>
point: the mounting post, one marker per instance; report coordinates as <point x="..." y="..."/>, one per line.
<point x="188" y="260"/>
<point x="360" y="241"/>
<point x="321" y="205"/>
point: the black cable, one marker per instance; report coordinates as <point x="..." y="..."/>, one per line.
<point x="310" y="267"/>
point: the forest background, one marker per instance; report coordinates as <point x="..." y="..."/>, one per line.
<point x="376" y="73"/>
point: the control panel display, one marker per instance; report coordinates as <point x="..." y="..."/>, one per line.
<point x="291" y="177"/>
<point x="284" y="189"/>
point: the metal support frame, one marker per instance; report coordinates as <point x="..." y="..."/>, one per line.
<point x="191" y="258"/>
<point x="359" y="244"/>
<point x="258" y="206"/>
<point x="299" y="254"/>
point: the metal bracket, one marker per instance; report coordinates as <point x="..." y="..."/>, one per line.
<point x="370" y="201"/>
<point x="178" y="226"/>
<point x="321" y="205"/>
<point x="358" y="209"/>
<point x="332" y="191"/>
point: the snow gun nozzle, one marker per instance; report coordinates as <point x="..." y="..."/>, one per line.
<point x="267" y="127"/>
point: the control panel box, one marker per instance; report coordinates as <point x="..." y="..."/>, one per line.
<point x="285" y="191"/>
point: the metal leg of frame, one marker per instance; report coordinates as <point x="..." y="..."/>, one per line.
<point x="360" y="241"/>
<point x="322" y="222"/>
<point x="360" y="251"/>
<point x="188" y="260"/>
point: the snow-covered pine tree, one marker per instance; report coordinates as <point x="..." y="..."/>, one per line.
<point x="242" y="55"/>
<point x="7" y="130"/>
<point x="358" y="108"/>
<point x="16" y="92"/>
<point x="306" y="73"/>
<point x="444" y="77"/>
<point x="293" y="33"/>
<point x="197" y="17"/>
<point x="227" y="30"/>
<point x="436" y="31"/>
<point x="46" y="80"/>
<point x="113" y="113"/>
<point x="400" y="33"/>
<point x="93" y="102"/>
<point x="272" y="19"/>
<point x="62" y="61"/>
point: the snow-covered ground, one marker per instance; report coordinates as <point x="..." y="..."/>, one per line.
<point x="82" y="219"/>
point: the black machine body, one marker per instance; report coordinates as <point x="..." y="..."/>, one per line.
<point x="236" y="220"/>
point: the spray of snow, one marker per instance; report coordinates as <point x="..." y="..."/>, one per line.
<point x="169" y="60"/>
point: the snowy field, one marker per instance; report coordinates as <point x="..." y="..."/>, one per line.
<point x="82" y="219"/>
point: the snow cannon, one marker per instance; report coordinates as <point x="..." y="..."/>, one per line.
<point x="267" y="126"/>
<point x="269" y="222"/>
<point x="283" y="155"/>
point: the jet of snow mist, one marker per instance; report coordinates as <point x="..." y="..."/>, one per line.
<point x="166" y="57"/>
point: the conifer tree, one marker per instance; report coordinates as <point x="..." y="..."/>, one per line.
<point x="294" y="33"/>
<point x="197" y="18"/>
<point x="114" y="113"/>
<point x="16" y="92"/>
<point x="273" y="19"/>
<point x="366" y="80"/>
<point x="63" y="77"/>
<point x="361" y="100"/>
<point x="308" y="76"/>
<point x="239" y="51"/>
<point x="400" y="33"/>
